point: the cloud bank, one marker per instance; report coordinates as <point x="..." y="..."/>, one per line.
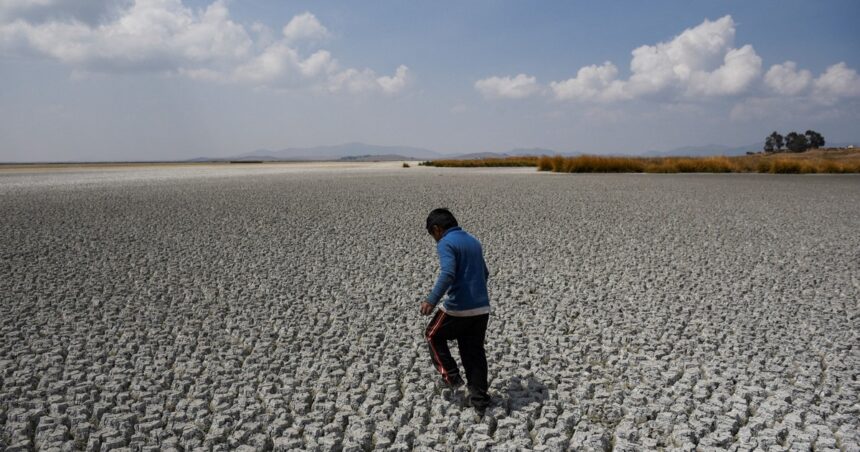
<point x="166" y="37"/>
<point x="516" y="87"/>
<point x="699" y="64"/>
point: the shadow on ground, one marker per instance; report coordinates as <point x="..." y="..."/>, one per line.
<point x="517" y="394"/>
<point x="522" y="392"/>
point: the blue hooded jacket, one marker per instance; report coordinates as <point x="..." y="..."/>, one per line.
<point x="463" y="275"/>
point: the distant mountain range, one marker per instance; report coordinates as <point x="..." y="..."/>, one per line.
<point x="349" y="151"/>
<point x="365" y="152"/>
<point x="370" y="152"/>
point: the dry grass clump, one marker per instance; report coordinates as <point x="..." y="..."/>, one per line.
<point x="815" y="161"/>
<point x="601" y="164"/>
<point x="544" y="163"/>
<point x="596" y="164"/>
<point x="811" y="162"/>
<point x="833" y="161"/>
<point x="693" y="165"/>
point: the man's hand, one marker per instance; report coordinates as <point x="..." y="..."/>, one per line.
<point x="426" y="308"/>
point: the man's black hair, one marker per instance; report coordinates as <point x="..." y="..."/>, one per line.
<point x="441" y="217"/>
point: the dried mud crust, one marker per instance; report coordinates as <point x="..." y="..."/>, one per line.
<point x="280" y="312"/>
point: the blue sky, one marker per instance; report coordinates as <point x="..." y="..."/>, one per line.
<point x="166" y="79"/>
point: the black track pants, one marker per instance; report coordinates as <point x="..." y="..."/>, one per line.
<point x="469" y="333"/>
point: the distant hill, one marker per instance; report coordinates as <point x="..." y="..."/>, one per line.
<point x="362" y="152"/>
<point x="535" y="151"/>
<point x="511" y="153"/>
<point x="375" y="158"/>
<point x="344" y="150"/>
<point x="477" y="155"/>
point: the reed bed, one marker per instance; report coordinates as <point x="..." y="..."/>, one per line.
<point x="740" y="164"/>
<point x="816" y="161"/>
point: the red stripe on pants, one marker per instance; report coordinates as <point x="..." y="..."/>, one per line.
<point x="433" y="349"/>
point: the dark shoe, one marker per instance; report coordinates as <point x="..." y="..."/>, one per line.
<point x="456" y="382"/>
<point x="479" y="400"/>
<point x="480" y="411"/>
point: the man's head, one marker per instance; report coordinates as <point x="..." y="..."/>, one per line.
<point x="439" y="221"/>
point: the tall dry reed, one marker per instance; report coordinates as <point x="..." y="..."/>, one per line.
<point x="821" y="162"/>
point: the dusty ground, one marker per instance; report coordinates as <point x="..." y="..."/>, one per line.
<point x="158" y="308"/>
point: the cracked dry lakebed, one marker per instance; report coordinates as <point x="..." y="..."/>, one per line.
<point x="276" y="307"/>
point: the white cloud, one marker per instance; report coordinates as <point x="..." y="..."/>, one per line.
<point x="353" y="81"/>
<point x="740" y="69"/>
<point x="366" y="81"/>
<point x="837" y="81"/>
<point x="304" y="26"/>
<point x="274" y="63"/>
<point x="794" y="93"/>
<point x="785" y="79"/>
<point x="700" y="63"/>
<point x="672" y="64"/>
<point x="394" y="84"/>
<point x="320" y="62"/>
<point x="152" y="35"/>
<point x="516" y="87"/>
<point x="166" y="37"/>
<point x="591" y="83"/>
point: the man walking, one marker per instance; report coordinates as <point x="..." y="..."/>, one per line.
<point x="463" y="315"/>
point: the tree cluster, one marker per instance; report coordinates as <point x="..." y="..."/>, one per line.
<point x="793" y="142"/>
